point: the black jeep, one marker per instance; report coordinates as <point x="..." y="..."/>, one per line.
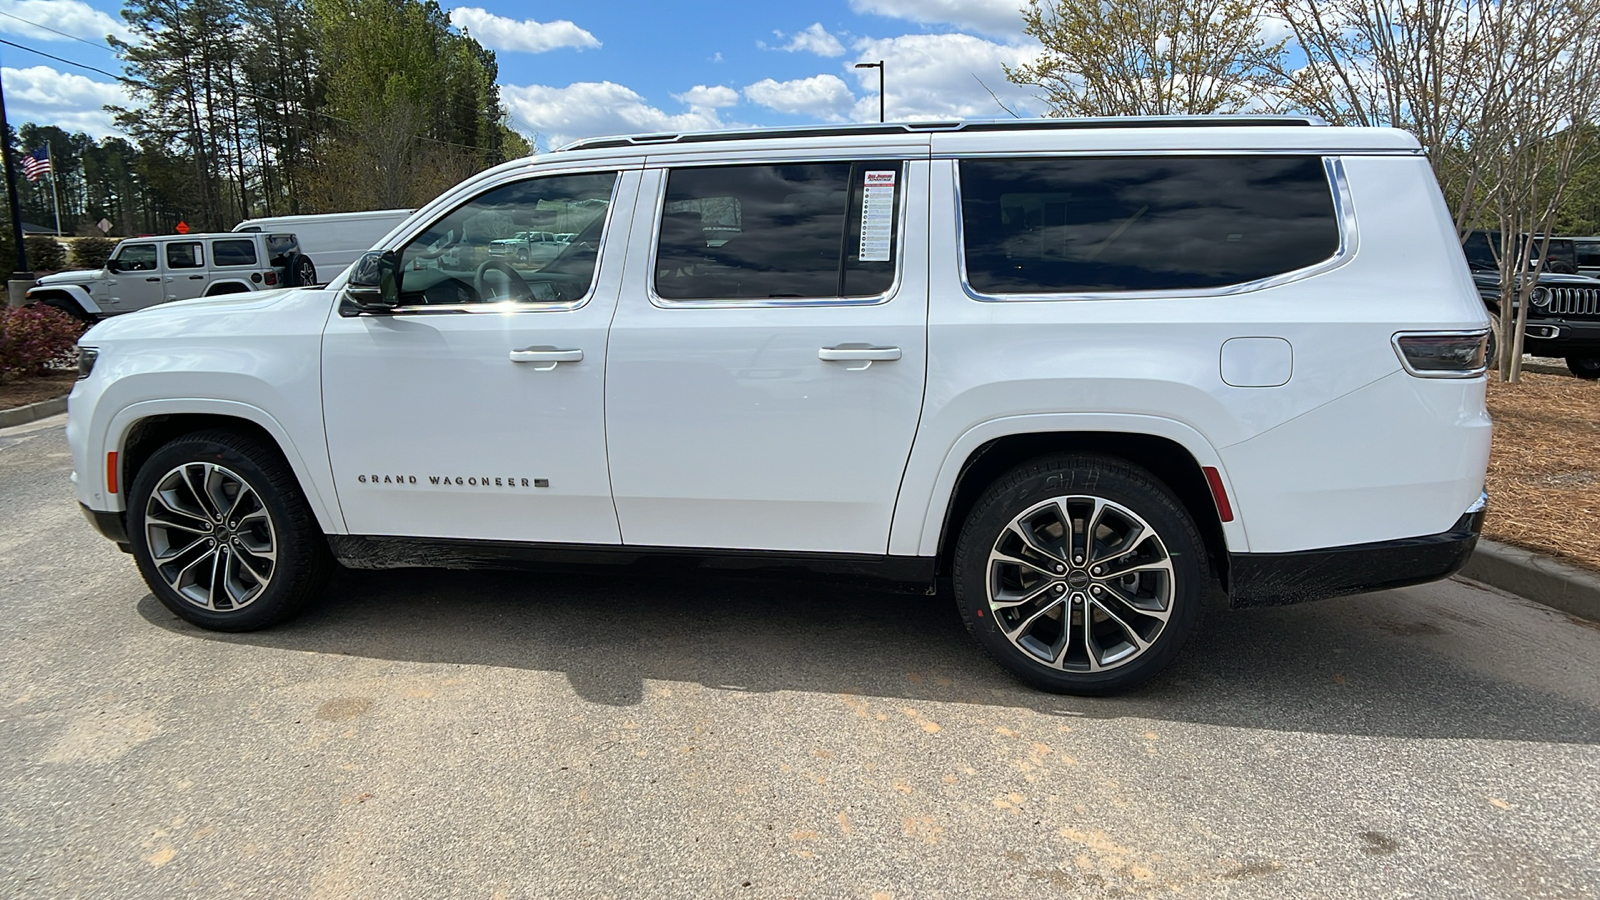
<point x="1564" y="318"/>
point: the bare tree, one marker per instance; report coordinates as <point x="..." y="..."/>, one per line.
<point x="1149" y="57"/>
<point x="1500" y="92"/>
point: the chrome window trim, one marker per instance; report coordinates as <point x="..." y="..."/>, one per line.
<point x="1394" y="341"/>
<point x="1343" y="212"/>
<point x="518" y="306"/>
<point x="775" y="302"/>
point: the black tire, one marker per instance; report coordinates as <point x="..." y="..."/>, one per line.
<point x="1042" y="496"/>
<point x="1584" y="366"/>
<point x="303" y="561"/>
<point x="70" y="307"/>
<point x="305" y="273"/>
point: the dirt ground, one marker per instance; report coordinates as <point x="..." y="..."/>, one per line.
<point x="1544" y="471"/>
<point x="15" y="391"/>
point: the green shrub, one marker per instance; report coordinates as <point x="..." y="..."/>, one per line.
<point x="45" y="253"/>
<point x="92" y="252"/>
<point x="34" y="337"/>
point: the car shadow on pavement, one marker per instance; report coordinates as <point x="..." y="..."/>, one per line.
<point x="1313" y="668"/>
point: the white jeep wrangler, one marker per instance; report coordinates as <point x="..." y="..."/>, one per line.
<point x="1083" y="369"/>
<point x="149" y="270"/>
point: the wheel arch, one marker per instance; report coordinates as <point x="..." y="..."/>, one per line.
<point x="992" y="450"/>
<point x="139" y="430"/>
<point x="217" y="288"/>
<point x="70" y="292"/>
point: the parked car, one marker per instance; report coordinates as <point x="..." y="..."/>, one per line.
<point x="533" y="247"/>
<point x="1564" y="314"/>
<point x="1080" y="370"/>
<point x="334" y="240"/>
<point x="1587" y="253"/>
<point x="145" y="271"/>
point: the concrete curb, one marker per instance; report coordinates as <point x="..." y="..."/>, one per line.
<point x="22" y="415"/>
<point x="1538" y="578"/>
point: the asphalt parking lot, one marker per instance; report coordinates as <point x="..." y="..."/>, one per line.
<point x="449" y="734"/>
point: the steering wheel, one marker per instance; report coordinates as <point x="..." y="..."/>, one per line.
<point x="517" y="287"/>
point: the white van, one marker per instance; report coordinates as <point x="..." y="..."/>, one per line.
<point x="1081" y="371"/>
<point x="333" y="240"/>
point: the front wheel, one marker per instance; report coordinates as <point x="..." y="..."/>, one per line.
<point x="1080" y="574"/>
<point x="222" y="533"/>
<point x="1584" y="366"/>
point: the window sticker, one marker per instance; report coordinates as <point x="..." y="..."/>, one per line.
<point x="877" y="216"/>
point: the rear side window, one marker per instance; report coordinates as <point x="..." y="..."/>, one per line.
<point x="1072" y="225"/>
<point x="185" y="255"/>
<point x="233" y="253"/>
<point x="1588" y="253"/>
<point x="817" y="230"/>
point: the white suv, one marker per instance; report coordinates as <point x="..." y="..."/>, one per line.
<point x="1085" y="369"/>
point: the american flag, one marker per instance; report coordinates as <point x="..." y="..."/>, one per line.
<point x="37" y="163"/>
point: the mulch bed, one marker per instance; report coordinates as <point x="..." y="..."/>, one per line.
<point x="1544" y="470"/>
<point x="16" y="391"/>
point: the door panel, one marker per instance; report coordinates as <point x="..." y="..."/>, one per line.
<point x="759" y="426"/>
<point x="478" y="421"/>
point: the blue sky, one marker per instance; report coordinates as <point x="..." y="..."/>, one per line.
<point x="575" y="70"/>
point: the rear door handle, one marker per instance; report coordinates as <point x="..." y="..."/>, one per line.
<point x="866" y="354"/>
<point x="546" y="358"/>
<point x="196" y="277"/>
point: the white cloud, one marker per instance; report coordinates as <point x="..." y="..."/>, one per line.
<point x="815" y="39"/>
<point x="936" y="76"/>
<point x="704" y="97"/>
<point x="501" y="33"/>
<point x="74" y="17"/>
<point x="41" y="95"/>
<point x="999" y="18"/>
<point x="590" y="109"/>
<point x="823" y="97"/>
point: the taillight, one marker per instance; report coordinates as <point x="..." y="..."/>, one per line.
<point x="1443" y="354"/>
<point x="272" y="278"/>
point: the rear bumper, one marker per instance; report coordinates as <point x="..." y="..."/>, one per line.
<point x="1279" y="579"/>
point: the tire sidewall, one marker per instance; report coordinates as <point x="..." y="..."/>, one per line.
<point x="279" y="600"/>
<point x="1111" y="479"/>
<point x="1584" y="366"/>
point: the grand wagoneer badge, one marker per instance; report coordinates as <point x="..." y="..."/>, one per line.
<point x="456" y="481"/>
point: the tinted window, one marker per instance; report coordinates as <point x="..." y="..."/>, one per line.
<point x="233" y="253"/>
<point x="487" y="250"/>
<point x="1041" y="226"/>
<point x="137" y="257"/>
<point x="185" y="255"/>
<point x="764" y="232"/>
<point x="1482" y="249"/>
<point x="1588" y="253"/>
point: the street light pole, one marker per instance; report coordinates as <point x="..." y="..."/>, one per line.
<point x="879" y="66"/>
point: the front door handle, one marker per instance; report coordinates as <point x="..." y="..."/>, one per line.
<point x="196" y="277"/>
<point x="866" y="354"/>
<point x="156" y="278"/>
<point x="547" y="357"/>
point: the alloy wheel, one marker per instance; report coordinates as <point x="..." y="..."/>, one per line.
<point x="210" y="536"/>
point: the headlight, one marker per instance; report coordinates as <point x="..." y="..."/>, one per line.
<point x="1541" y="296"/>
<point x="86" y="360"/>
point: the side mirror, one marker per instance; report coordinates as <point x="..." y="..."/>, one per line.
<point x="374" y="285"/>
<point x="113" y="266"/>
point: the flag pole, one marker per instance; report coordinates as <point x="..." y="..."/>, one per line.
<point x="55" y="199"/>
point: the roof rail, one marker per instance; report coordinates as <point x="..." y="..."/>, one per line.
<point x="979" y="125"/>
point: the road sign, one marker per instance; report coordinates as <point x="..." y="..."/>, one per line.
<point x="183" y="227"/>
<point x="104" y="225"/>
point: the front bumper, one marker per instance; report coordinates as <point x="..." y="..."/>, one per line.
<point x="1279" y="579"/>
<point x="1571" y="336"/>
<point x="109" y="524"/>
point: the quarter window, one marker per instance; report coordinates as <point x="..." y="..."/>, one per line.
<point x="233" y="253"/>
<point x="490" y="250"/>
<point x="185" y="255"/>
<point x="1047" y="226"/>
<point x="817" y="230"/>
<point x="137" y="257"/>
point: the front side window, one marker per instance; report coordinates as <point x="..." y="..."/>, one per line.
<point x="1132" y="223"/>
<point x="816" y="230"/>
<point x="233" y="253"/>
<point x="137" y="258"/>
<point x="488" y="251"/>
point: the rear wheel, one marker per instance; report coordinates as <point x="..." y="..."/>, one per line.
<point x="1080" y="574"/>
<point x="222" y="533"/>
<point x="1584" y="366"/>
